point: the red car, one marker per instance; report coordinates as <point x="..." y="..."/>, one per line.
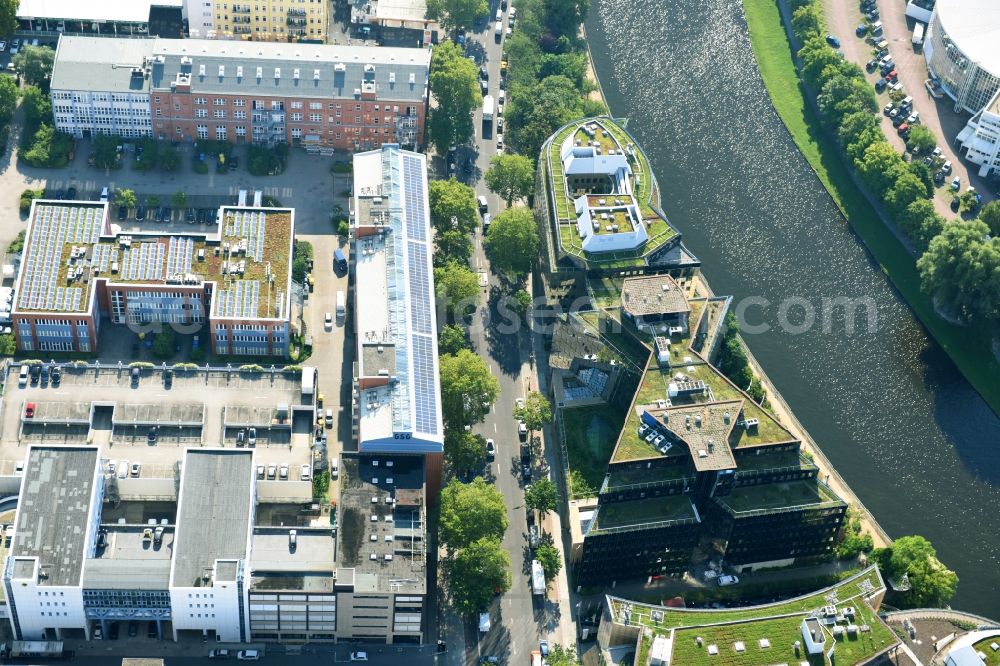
<point x="903" y="129"/>
<point x="891" y="76"/>
<point x="29" y="410"/>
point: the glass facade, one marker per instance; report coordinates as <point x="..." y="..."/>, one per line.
<point x="963" y="79"/>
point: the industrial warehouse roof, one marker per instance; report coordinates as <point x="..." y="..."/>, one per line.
<point x="70" y="244"/>
<point x="974" y="27"/>
<point x="54" y="510"/>
<point x="117" y="11"/>
<point x="214" y="511"/>
<point x="256" y="69"/>
<point x="396" y="323"/>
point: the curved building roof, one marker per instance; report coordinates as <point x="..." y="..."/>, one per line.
<point x="974" y="27"/>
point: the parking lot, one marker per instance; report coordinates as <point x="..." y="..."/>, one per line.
<point x="150" y="424"/>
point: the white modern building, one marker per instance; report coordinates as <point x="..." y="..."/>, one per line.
<point x="980" y="138"/>
<point x="606" y="222"/>
<point x="397" y="396"/>
<point x="226" y="554"/>
<point x="962" y="50"/>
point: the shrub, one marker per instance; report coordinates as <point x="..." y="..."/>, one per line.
<point x="200" y="167"/>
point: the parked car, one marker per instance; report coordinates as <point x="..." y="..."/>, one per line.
<point x="272" y="471"/>
<point x="861" y="30"/>
<point x="913" y="118"/>
<point x="135" y="377"/>
<point x="956" y="183"/>
<point x="56" y="376"/>
<point x="189" y="215"/>
<point x="71" y="193"/>
<point x="880" y="85"/>
<point x="22" y="377"/>
<point x="305" y="472"/>
<point x="3" y="45"/>
<point x="871" y="65"/>
<point x="260" y="472"/>
<point x="113" y="631"/>
<point x="728" y="580"/>
<point x="252" y="437"/>
<point x="152" y="435"/>
<point x="359" y="656"/>
<point x="491" y="449"/>
<point x="888" y="109"/>
<point x="29" y="410"/>
<point x="136" y="469"/>
<point x="946" y="167"/>
<point x="133" y="629"/>
<point x="140" y="213"/>
<point x="832" y="41"/>
<point x="248" y="655"/>
<point x="241" y="437"/>
<point x="939" y="177"/>
<point x="219" y="654"/>
<point x="122" y="213"/>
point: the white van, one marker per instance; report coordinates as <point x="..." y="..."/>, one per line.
<point x="483" y="206"/>
<point x="22" y="377"/>
<point x="334" y="468"/>
<point x="104" y="194"/>
<point x="341" y="306"/>
<point x="499" y="15"/>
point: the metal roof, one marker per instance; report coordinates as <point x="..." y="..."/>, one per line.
<point x="100" y="64"/>
<point x="214" y="512"/>
<point x="54" y="510"/>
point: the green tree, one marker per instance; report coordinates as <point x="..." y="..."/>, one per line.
<point x="921" y="223"/>
<point x="932" y="584"/>
<point x="464" y="451"/>
<point x="542" y="496"/>
<point x="453" y="206"/>
<point x="179" y="200"/>
<point x="477" y="574"/>
<point x="967" y="201"/>
<point x="550" y="559"/>
<point x="106" y="151"/>
<point x="841" y="95"/>
<point x="126" y="198"/>
<point x="163" y="343"/>
<point x="880" y="166"/>
<point x="853" y="125"/>
<point x="571" y="65"/>
<point x="562" y="656"/>
<point x="36" y="105"/>
<point x="856" y="149"/>
<point x="8" y="17"/>
<point x="452" y="339"/>
<point x="961" y="270"/>
<point x="512" y="242"/>
<point x="153" y="200"/>
<point x="452" y="245"/>
<point x="48" y="148"/>
<point x="990" y="216"/>
<point x="35" y="63"/>
<point x="521" y="302"/>
<point x="563" y="17"/>
<point x="536" y="411"/>
<point x="536" y="111"/>
<point x="816" y="55"/>
<point x="511" y="176"/>
<point x="455" y="84"/>
<point x="457" y="14"/>
<point x="469" y="512"/>
<point x="456" y="285"/>
<point x="168" y="158"/>
<point x="907" y="189"/>
<point x="921" y="139"/>
<point x="8" y="99"/>
<point x="807" y="21"/>
<point x="468" y="388"/>
<point x="8" y="346"/>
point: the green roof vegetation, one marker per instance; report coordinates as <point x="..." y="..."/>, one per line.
<point x="773" y="496"/>
<point x="611" y="136"/>
<point x="781" y="634"/>
<point x="767" y="459"/>
<point x="992" y="655"/>
<point x="590" y="436"/>
<point x="622" y="475"/>
<point x="648" y="510"/>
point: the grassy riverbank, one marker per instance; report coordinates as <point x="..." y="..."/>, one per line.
<point x="969" y="348"/>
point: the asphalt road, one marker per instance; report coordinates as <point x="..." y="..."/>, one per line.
<point x="518" y="619"/>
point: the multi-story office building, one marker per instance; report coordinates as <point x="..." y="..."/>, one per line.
<point x="397" y="400"/>
<point x="218" y="558"/>
<point x="962" y="50"/>
<point x="313" y="95"/>
<point x="77" y="266"/>
<point x="274" y="21"/>
<point x="108" y="18"/>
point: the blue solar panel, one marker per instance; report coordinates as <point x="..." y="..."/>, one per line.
<point x="424" y="384"/>
<point x="414" y="191"/>
<point x="420" y="287"/>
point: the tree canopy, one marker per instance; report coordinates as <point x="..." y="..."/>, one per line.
<point x="125" y="198"/>
<point x="452" y="339"/>
<point x="550" y="559"/>
<point x="464" y="451"/>
<point x="455" y="85"/>
<point x="990" y="216"/>
<point x="457" y="14"/>
<point x="961" y="269"/>
<point x="932" y="584"/>
<point x="468" y="388"/>
<point x="8" y="99"/>
<point x="922" y="139"/>
<point x="511" y="176"/>
<point x="476" y="574"/>
<point x="451" y="203"/>
<point x="536" y="111"/>
<point x="536" y="411"/>
<point x="470" y="511"/>
<point x="8" y="17"/>
<point x="456" y="285"/>
<point x="512" y="242"/>
<point x="35" y="63"/>
<point x="542" y="496"/>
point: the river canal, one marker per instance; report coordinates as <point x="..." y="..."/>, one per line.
<point x="886" y="405"/>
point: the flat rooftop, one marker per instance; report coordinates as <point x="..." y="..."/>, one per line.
<point x="705" y="429"/>
<point x="778" y="496"/>
<point x="394" y="310"/>
<point x="214" y="511"/>
<point x="382" y="523"/>
<point x="72" y="244"/>
<point x="653" y="295"/>
<point x="57" y="494"/>
<point x="272" y="552"/>
<point x="647" y="511"/>
<point x="106" y="11"/>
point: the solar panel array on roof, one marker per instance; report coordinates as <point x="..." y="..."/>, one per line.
<point x="102" y="257"/>
<point x="420" y="287"/>
<point x="143" y="261"/>
<point x="413" y="190"/>
<point x="53" y="227"/>
<point x="249" y="225"/>
<point x="179" y="256"/>
<point x="240" y="299"/>
<point x="425" y="387"/>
